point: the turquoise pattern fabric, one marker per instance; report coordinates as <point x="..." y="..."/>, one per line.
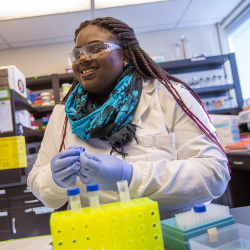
<point x="89" y="120"/>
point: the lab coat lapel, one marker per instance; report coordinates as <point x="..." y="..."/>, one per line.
<point x="148" y="87"/>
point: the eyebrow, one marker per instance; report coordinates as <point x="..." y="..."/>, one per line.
<point x="91" y="42"/>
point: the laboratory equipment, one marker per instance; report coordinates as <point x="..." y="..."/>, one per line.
<point x="177" y="238"/>
<point x="133" y="225"/>
<point x="45" y="99"/>
<point x="183" y="47"/>
<point x="200" y="214"/>
<point x="74" y="199"/>
<point x="123" y="191"/>
<point x="38" y="101"/>
<point x="234" y="237"/>
<point x="92" y="190"/>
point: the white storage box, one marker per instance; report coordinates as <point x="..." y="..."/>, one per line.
<point x="11" y="76"/>
<point x="234" y="237"/>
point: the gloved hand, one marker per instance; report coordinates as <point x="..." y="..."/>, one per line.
<point x="64" y="166"/>
<point x="104" y="169"/>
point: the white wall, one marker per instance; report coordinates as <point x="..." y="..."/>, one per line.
<point x="49" y="59"/>
<point x="203" y="39"/>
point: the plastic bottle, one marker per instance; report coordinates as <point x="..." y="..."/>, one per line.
<point x="220" y="80"/>
<point x="208" y="83"/>
<point x="226" y="80"/>
<point x="214" y="81"/>
<point x="213" y="106"/>
<point x="201" y="83"/>
<point x="208" y="106"/>
<point x="123" y="191"/>
<point x="74" y="199"/>
<point x="38" y="101"/>
<point x="192" y="85"/>
<point x="92" y="190"/>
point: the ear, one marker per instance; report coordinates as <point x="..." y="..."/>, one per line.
<point x="126" y="57"/>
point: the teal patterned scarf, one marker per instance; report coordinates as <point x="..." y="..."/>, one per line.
<point x="111" y="121"/>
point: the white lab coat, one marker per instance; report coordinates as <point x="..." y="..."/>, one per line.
<point x="175" y="164"/>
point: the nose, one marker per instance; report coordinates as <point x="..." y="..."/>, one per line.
<point x="83" y="58"/>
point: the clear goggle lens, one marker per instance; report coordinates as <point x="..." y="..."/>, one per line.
<point x="92" y="50"/>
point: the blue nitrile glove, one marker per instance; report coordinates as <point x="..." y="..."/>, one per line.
<point x="104" y="169"/>
<point x="65" y="166"/>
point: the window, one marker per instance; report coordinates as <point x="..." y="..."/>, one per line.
<point x="239" y="42"/>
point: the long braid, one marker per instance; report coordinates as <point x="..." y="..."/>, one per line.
<point x="145" y="66"/>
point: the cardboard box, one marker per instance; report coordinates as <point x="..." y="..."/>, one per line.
<point x="14" y="78"/>
<point x="4" y="87"/>
<point x="6" y="80"/>
<point x="227" y="130"/>
<point x="7" y="71"/>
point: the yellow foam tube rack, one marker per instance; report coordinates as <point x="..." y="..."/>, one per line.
<point x="115" y="226"/>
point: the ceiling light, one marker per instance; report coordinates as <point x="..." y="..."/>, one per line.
<point x="101" y="4"/>
<point x="11" y="9"/>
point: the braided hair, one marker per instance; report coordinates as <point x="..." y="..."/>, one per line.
<point x="144" y="65"/>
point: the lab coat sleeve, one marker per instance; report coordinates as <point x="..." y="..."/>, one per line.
<point x="40" y="177"/>
<point x="200" y="172"/>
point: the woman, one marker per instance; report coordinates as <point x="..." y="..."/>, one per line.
<point x="126" y="119"/>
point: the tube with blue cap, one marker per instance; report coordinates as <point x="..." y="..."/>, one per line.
<point x="74" y="199"/>
<point x="92" y="190"/>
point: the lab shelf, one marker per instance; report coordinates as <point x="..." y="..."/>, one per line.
<point x="45" y="109"/>
<point x="231" y="111"/>
<point x="194" y="64"/>
<point x="40" y="82"/>
<point x="214" y="89"/>
<point x="21" y="102"/>
<point x="28" y="132"/>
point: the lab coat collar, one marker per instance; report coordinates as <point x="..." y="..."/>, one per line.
<point x="148" y="87"/>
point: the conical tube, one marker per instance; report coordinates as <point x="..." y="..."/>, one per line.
<point x="123" y="191"/>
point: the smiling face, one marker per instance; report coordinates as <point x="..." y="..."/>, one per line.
<point x="98" y="76"/>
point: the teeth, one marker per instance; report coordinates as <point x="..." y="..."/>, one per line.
<point x="89" y="70"/>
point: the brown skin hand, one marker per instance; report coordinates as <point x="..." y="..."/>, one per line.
<point x="109" y="66"/>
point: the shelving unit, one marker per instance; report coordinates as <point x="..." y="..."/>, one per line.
<point x="209" y="63"/>
<point x="18" y="102"/>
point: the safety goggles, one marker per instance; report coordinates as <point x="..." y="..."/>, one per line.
<point x="92" y="50"/>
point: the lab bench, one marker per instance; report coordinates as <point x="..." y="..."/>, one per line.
<point x="241" y="215"/>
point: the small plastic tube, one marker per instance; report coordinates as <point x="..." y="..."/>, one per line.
<point x="74" y="199"/>
<point x="123" y="191"/>
<point x="92" y="190"/>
